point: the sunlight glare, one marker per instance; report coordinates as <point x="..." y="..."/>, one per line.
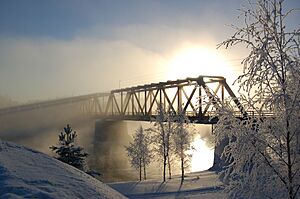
<point x="193" y="61"/>
<point x="203" y="156"/>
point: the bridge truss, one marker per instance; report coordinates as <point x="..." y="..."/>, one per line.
<point x="197" y="97"/>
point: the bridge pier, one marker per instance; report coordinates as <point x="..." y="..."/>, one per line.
<point x="109" y="157"/>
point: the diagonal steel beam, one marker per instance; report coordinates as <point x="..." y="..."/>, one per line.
<point x="139" y="104"/>
<point x="235" y="99"/>
<point x="212" y="97"/>
<point x="153" y="100"/>
<point x="169" y="102"/>
<point x="116" y="103"/>
<point x="126" y="102"/>
<point x="189" y="99"/>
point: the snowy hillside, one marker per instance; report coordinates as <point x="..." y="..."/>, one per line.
<point x="25" y="173"/>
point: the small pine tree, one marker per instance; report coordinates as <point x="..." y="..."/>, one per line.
<point x="67" y="151"/>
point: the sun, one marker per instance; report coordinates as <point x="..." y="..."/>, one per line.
<point x="202" y="156"/>
<point x="192" y="61"/>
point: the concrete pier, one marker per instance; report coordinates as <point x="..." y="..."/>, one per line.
<point x="109" y="156"/>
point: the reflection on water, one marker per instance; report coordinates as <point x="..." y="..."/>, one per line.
<point x="203" y="155"/>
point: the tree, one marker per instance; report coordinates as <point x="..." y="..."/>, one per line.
<point x="139" y="151"/>
<point x="161" y="137"/>
<point x="67" y="151"/>
<point x="170" y="128"/>
<point x="264" y="150"/>
<point x="183" y="140"/>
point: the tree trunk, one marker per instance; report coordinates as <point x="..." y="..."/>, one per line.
<point x="165" y="164"/>
<point x="164" y="151"/>
<point x="288" y="141"/>
<point x="182" y="168"/>
<point x="168" y="150"/>
<point x="290" y="174"/>
<point x="169" y="167"/>
<point x="145" y="177"/>
<point x="140" y="170"/>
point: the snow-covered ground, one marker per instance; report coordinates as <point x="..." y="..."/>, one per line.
<point x="26" y="173"/>
<point x="204" y="185"/>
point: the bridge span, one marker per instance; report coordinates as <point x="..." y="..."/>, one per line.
<point x="98" y="117"/>
<point x="197" y="97"/>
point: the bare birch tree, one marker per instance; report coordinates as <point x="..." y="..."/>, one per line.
<point x="162" y="138"/>
<point x="170" y="127"/>
<point x="183" y="140"/>
<point x="139" y="151"/>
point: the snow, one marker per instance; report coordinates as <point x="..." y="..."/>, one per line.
<point x="204" y="185"/>
<point x="26" y="173"/>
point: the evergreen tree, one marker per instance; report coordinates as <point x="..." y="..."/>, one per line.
<point x="67" y="151"/>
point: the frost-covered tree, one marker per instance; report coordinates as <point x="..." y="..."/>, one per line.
<point x="164" y="127"/>
<point x="67" y="152"/>
<point x="139" y="151"/>
<point x="170" y="128"/>
<point x="182" y="141"/>
<point x="264" y="148"/>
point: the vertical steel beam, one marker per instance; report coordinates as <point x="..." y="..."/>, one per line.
<point x="112" y="105"/>
<point x="222" y="93"/>
<point x="163" y="93"/>
<point x="145" y="111"/>
<point x="138" y="100"/>
<point x="179" y="100"/>
<point x="132" y="103"/>
<point x="160" y="97"/>
<point x="122" y="104"/>
<point x="150" y="111"/>
<point x="200" y="101"/>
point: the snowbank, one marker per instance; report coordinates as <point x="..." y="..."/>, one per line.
<point x="25" y="173"/>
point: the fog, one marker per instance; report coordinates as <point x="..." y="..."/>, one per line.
<point x="47" y="68"/>
<point x="55" y="51"/>
<point x="39" y="129"/>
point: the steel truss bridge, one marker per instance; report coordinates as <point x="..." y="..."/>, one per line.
<point x="197" y="97"/>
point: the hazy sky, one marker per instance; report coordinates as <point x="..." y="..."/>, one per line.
<point x="54" y="48"/>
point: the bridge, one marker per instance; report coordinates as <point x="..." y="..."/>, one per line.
<point x="196" y="97"/>
<point x="98" y="117"/>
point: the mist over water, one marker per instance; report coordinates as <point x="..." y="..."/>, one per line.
<point x="39" y="129"/>
<point x="203" y="153"/>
